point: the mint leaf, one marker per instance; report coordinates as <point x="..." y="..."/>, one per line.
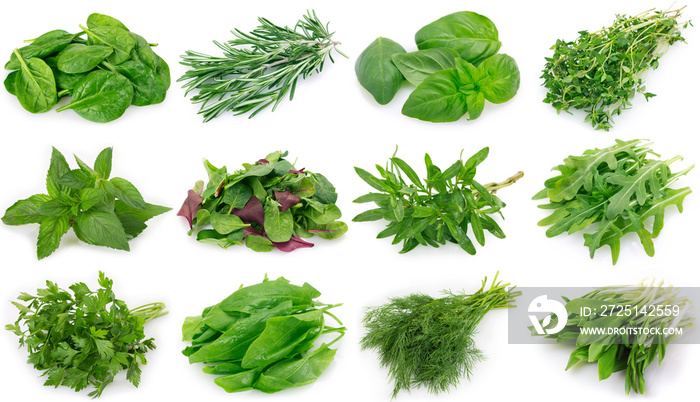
<point x="101" y="228"/>
<point x="57" y="168"/>
<point x="26" y="211"/>
<point x="144" y="214"/>
<point x="76" y="179"/>
<point x="55" y="207"/>
<point x="51" y="230"/>
<point x="103" y="163"/>
<point x="89" y="197"/>
<point x="126" y="192"/>
<point x="132" y="225"/>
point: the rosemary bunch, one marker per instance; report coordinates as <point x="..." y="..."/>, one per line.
<point x="600" y="72"/>
<point x="259" y="68"/>
<point x="429" y="342"/>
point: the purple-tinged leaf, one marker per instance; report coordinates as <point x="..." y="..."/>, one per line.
<point x="252" y="212"/>
<point x="262" y="162"/>
<point x="286" y="199"/>
<point x="189" y="208"/>
<point x="298" y="171"/>
<point x="294" y="243"/>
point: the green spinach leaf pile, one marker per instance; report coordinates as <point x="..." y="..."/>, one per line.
<point x="104" y="68"/>
<point x="261" y="337"/>
<point x="102" y="211"/>
<point x="85" y="338"/>
<point x="268" y="204"/>
<point x="615" y="190"/>
<point x="455" y="71"/>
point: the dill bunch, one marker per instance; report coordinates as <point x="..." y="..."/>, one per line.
<point x="428" y="342"/>
<point x="258" y="69"/>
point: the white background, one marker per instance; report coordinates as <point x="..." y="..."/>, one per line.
<point x="331" y="126"/>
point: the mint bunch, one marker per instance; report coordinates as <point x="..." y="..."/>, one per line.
<point x="102" y="211"/>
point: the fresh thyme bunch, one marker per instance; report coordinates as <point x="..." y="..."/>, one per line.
<point x="429" y="342"/>
<point x="600" y="72"/>
<point x="258" y="68"/>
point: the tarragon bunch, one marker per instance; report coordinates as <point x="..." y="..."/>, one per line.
<point x="600" y="72"/>
<point x="639" y="308"/>
<point x="85" y="338"/>
<point x="435" y="211"/>
<point x="614" y="190"/>
<point x="102" y="211"/>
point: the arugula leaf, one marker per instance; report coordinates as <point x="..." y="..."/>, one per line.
<point x="615" y="190"/>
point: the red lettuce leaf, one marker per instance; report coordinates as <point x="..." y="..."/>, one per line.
<point x="294" y="243"/>
<point x="252" y="212"/>
<point x="192" y="204"/>
<point x="286" y="199"/>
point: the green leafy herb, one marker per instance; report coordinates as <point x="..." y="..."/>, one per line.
<point x="437" y="210"/>
<point x="449" y="94"/>
<point x="642" y="308"/>
<point x="85" y="338"/>
<point x="261" y="337"/>
<point x="102" y="211"/>
<point x="266" y="205"/>
<point x="417" y="66"/>
<point x="618" y="188"/>
<point x="429" y="342"/>
<point x="376" y="71"/>
<point x="600" y="72"/>
<point x="103" y="74"/>
<point x="472" y="35"/>
<point x="258" y="69"/>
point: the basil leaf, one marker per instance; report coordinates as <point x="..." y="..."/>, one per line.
<point x="417" y="66"/>
<point x="471" y="35"/>
<point x="377" y="73"/>
<point x="101" y="96"/>
<point x="81" y="59"/>
<point x="437" y="99"/>
<point x="502" y="78"/>
<point x="35" y="85"/>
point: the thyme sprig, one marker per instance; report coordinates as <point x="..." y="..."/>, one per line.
<point x="600" y="72"/>
<point x="428" y="342"/>
<point x="258" y="69"/>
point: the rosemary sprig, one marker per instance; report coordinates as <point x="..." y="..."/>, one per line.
<point x="258" y="68"/>
<point x="600" y="72"/>
<point x="426" y="341"/>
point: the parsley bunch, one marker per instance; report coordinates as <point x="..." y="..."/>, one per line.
<point x="600" y="72"/>
<point x="618" y="188"/>
<point x="85" y="338"/>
